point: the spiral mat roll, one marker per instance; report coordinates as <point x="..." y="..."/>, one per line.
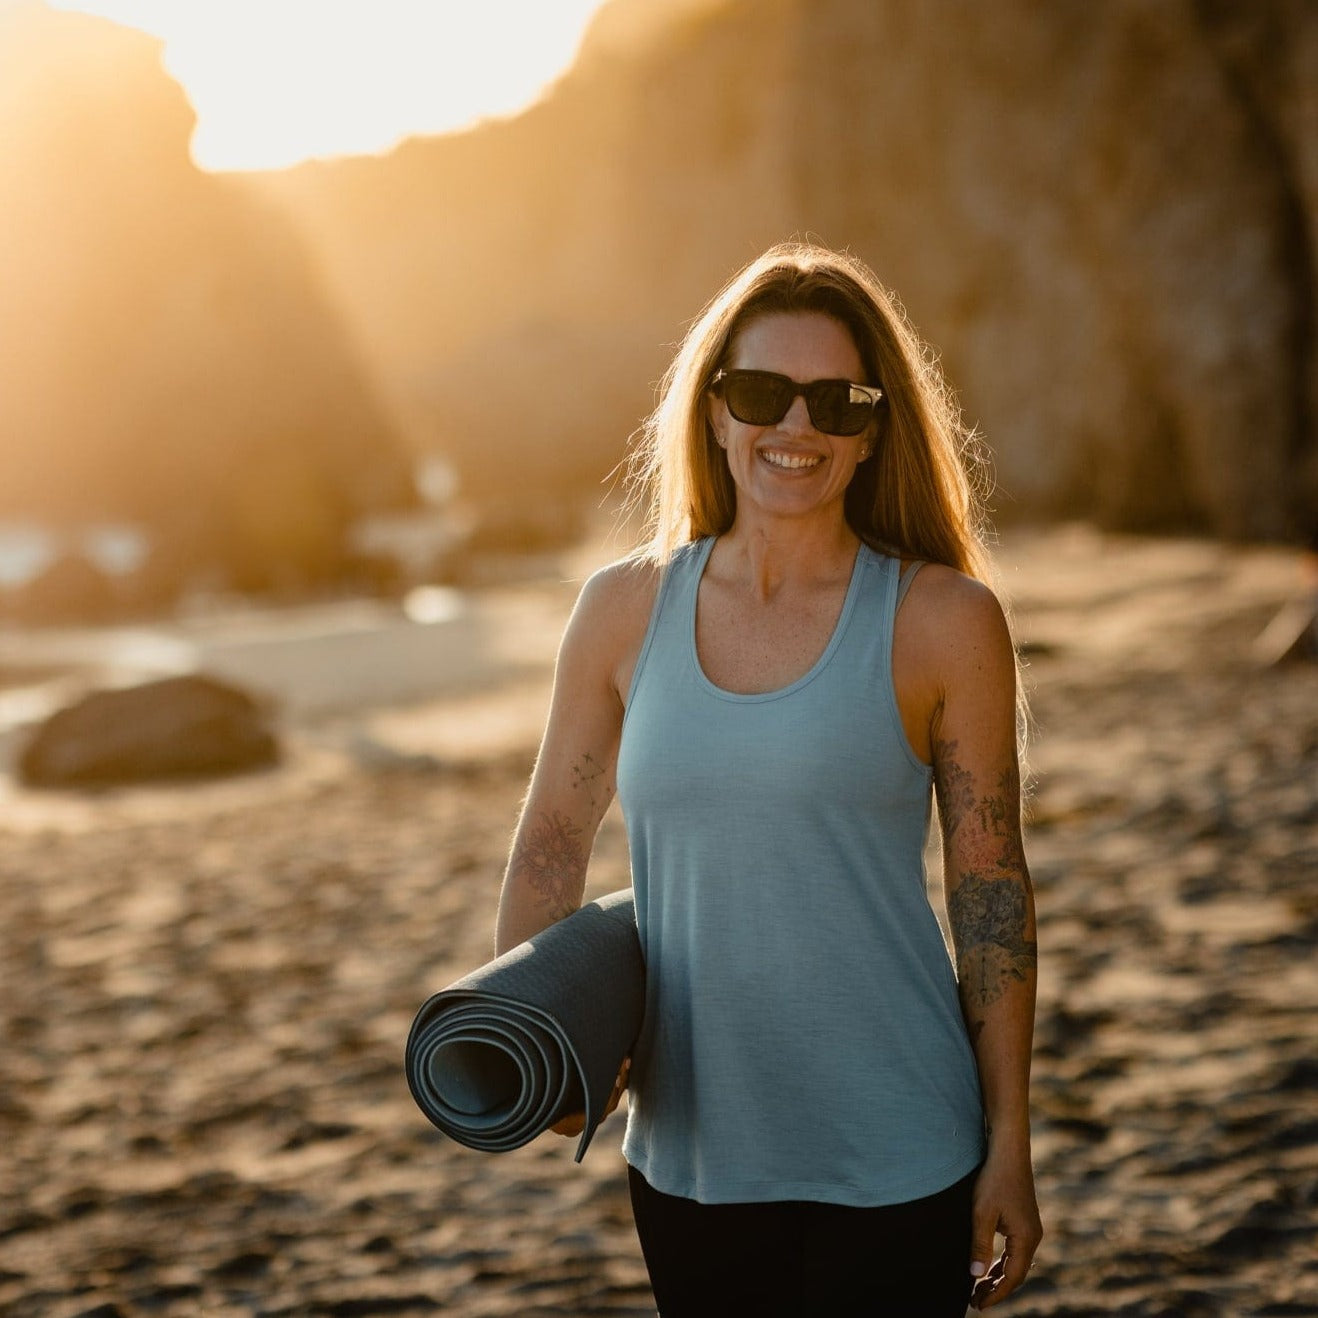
<point x="538" y="1033"/>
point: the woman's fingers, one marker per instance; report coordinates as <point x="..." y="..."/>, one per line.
<point x="575" y="1123"/>
<point x="1008" y="1271"/>
<point x="981" y="1247"/>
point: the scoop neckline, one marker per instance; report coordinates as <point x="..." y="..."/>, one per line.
<point x="834" y="641"/>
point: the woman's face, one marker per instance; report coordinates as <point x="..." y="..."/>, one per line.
<point x="791" y="469"/>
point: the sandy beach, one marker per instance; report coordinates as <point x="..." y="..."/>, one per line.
<point x="207" y="988"/>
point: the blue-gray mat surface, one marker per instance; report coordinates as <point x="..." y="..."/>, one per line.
<point x="538" y="1033"/>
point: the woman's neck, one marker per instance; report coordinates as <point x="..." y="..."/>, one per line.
<point x="768" y="556"/>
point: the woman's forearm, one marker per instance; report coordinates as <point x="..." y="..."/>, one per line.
<point x="990" y="911"/>
<point x="546" y="875"/>
<point x="545" y="878"/>
<point x="993" y="932"/>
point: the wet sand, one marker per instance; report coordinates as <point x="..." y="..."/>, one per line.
<point x="206" y="989"/>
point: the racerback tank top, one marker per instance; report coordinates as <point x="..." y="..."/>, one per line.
<point x="803" y="1037"/>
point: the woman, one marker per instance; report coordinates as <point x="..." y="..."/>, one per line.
<point x="824" y="1116"/>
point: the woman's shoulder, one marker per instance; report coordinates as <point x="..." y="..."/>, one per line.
<point x="616" y="601"/>
<point x="938" y="583"/>
<point x="632" y="583"/>
<point x="946" y="609"/>
<point x="625" y="585"/>
<point x="609" y="622"/>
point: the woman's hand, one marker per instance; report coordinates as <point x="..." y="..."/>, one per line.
<point x="1004" y="1204"/>
<point x="576" y="1123"/>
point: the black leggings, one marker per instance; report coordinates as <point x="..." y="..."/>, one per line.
<point x="797" y="1258"/>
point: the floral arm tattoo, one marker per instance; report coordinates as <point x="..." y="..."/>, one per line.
<point x="552" y="850"/>
<point x="550" y="857"/>
<point x="988" y="908"/>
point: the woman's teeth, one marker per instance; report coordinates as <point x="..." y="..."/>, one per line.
<point x="792" y="462"/>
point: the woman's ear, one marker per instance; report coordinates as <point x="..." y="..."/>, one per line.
<point x="869" y="440"/>
<point x="876" y="432"/>
<point x="715" y="413"/>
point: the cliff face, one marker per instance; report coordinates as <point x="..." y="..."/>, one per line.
<point x="1102" y="216"/>
<point x="1083" y="203"/>
<point x="165" y="353"/>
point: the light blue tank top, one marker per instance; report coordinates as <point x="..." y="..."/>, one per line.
<point x="802" y="1037"/>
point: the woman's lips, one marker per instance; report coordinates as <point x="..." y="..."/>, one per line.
<point x="790" y="461"/>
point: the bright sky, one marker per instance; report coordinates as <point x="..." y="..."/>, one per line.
<point x="274" y="82"/>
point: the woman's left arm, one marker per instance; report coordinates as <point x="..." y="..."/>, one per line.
<point x="990" y="910"/>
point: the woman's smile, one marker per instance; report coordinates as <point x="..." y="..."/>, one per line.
<point x="786" y="461"/>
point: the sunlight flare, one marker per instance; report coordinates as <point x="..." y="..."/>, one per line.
<point x="275" y="84"/>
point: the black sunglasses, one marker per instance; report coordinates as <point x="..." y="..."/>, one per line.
<point x="762" y="398"/>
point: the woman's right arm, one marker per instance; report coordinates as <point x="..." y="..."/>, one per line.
<point x="573" y="781"/>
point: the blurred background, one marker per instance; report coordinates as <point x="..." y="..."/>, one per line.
<point x="323" y="330"/>
<point x="1102" y="217"/>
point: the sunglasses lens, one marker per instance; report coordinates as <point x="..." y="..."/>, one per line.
<point x="833" y="410"/>
<point x="756" y="399"/>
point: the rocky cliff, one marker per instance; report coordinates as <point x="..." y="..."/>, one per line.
<point x="1103" y="217"/>
<point x="166" y="355"/>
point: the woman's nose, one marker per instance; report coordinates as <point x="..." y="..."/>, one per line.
<point x="797" y="421"/>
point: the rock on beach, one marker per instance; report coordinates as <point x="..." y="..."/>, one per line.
<point x="176" y="727"/>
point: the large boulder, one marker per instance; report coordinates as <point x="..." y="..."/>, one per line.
<point x="178" y="727"/>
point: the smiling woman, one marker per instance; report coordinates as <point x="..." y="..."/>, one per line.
<point x="825" y="1115"/>
<point x="273" y="85"/>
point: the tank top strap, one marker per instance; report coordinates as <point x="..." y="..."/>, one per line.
<point x="907" y="576"/>
<point x="679" y="579"/>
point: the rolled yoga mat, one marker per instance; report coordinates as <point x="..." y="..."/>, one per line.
<point x="538" y="1033"/>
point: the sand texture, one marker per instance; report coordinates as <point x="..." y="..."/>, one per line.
<point x="206" y="990"/>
